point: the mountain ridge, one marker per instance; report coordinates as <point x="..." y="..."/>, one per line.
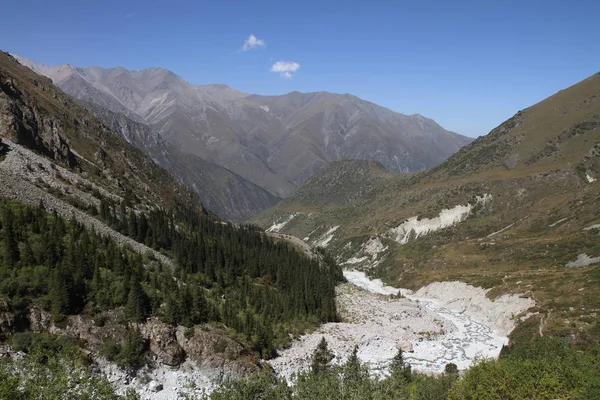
<point x="275" y="142"/>
<point x="221" y="191"/>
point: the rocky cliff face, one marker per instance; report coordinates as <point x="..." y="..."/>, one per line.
<point x="27" y="125"/>
<point x="207" y="347"/>
<point x="197" y="352"/>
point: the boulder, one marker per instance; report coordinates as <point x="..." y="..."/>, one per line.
<point x="217" y="355"/>
<point x="155" y="386"/>
<point x="39" y="320"/>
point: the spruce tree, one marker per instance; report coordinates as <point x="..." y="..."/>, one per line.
<point x="321" y="357"/>
<point x="59" y="295"/>
<point x="136" y="308"/>
<point x="399" y="369"/>
<point x="10" y="244"/>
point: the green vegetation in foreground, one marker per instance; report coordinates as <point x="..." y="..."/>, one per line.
<point x="52" y="368"/>
<point x="260" y="290"/>
<point x="546" y="368"/>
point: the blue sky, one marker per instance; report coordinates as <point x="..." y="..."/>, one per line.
<point x="467" y="64"/>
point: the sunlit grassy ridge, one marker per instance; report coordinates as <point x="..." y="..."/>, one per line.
<point x="539" y="167"/>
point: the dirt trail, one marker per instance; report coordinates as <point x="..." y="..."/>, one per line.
<point x="301" y="244"/>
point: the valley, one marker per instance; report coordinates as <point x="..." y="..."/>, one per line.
<point x="503" y="213"/>
<point x="169" y="240"/>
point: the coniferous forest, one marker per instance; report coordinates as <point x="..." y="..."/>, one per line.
<point x="236" y="276"/>
<point x="258" y="289"/>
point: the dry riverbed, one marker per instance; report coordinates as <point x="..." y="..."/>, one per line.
<point x="445" y="322"/>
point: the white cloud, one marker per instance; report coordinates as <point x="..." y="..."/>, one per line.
<point x="252" y="43"/>
<point x="285" y="68"/>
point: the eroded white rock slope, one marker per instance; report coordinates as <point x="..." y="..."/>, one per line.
<point x="324" y="239"/>
<point x="583" y="260"/>
<point x="278" y="226"/>
<point x="448" y="322"/>
<point x="370" y="254"/>
<point x="415" y="227"/>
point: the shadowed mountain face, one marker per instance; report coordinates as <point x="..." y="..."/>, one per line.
<point x="275" y="142"/>
<point x="222" y="191"/>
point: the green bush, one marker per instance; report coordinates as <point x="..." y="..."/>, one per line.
<point x="53" y="368"/>
<point x="110" y="350"/>
<point x="132" y="350"/>
<point x="220" y="346"/>
<point x="545" y="368"/>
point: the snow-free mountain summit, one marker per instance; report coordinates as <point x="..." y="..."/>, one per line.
<point x="273" y="142"/>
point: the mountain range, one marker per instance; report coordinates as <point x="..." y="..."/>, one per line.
<point x="241" y="152"/>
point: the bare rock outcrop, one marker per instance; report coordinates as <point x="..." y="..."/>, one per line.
<point x="24" y="124"/>
<point x="39" y="320"/>
<point x="217" y="355"/>
<point x="163" y="342"/>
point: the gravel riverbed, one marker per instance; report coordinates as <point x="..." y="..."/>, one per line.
<point x="445" y="322"/>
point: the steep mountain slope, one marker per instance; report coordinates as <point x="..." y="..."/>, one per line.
<point x="516" y="210"/>
<point x="341" y="182"/>
<point x="328" y="127"/>
<point x="275" y="142"/>
<point x="33" y="113"/>
<point x="220" y="190"/>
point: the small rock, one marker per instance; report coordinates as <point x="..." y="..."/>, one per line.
<point x="405" y="346"/>
<point x="155" y="386"/>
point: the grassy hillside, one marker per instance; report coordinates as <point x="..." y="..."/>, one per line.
<point x="540" y="170"/>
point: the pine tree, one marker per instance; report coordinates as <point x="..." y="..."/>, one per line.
<point x="132" y="225"/>
<point x="200" y="307"/>
<point x="10" y="244"/>
<point x="352" y="366"/>
<point x="27" y="257"/>
<point x="321" y="357"/>
<point x="399" y="369"/>
<point x="136" y="308"/>
<point x="132" y="350"/>
<point x="59" y="295"/>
